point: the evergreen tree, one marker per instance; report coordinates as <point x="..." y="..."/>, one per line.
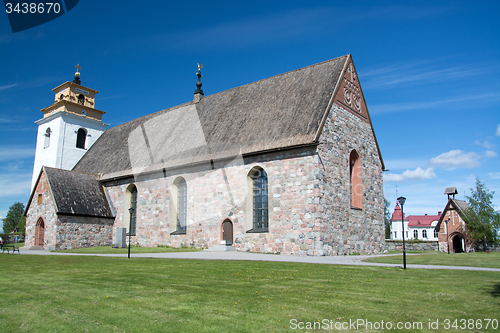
<point x="482" y="220"/>
<point x="14" y="215"/>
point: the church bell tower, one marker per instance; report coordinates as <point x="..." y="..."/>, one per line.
<point x="68" y="128"/>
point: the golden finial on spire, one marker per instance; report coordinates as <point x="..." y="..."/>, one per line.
<point x="78" y="70"/>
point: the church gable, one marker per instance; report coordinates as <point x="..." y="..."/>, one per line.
<point x="349" y="94"/>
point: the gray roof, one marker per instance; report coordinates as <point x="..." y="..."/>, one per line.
<point x="77" y="193"/>
<point x="450" y="190"/>
<point x="278" y="112"/>
<point x="459" y="205"/>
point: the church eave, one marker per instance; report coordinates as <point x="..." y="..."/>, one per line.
<point x="69" y="84"/>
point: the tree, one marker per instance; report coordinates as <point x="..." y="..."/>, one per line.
<point x="387" y="218"/>
<point x="14" y="215"/>
<point x="482" y="220"/>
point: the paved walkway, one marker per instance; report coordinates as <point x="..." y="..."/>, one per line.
<point x="235" y="255"/>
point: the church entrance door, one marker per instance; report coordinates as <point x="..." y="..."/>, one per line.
<point x="457" y="244"/>
<point x="39" y="232"/>
<point x="227" y="232"/>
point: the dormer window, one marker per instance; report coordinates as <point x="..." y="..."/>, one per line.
<point x="81" y="99"/>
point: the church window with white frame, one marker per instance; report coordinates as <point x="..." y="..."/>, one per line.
<point x="260" y="199"/>
<point x="46" y="142"/>
<point x="179" y="193"/>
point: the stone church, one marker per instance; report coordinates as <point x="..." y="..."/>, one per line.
<point x="289" y="164"/>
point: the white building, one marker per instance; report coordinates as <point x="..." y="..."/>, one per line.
<point x="69" y="127"/>
<point x="420" y="227"/>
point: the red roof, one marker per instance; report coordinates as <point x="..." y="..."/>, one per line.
<point x="415" y="220"/>
<point x="396" y="216"/>
<point x="422" y="220"/>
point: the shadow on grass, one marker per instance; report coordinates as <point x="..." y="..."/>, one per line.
<point x="495" y="291"/>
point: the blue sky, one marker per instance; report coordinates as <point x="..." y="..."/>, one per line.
<point x="429" y="70"/>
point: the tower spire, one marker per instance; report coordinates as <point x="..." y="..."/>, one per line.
<point x="77" y="75"/>
<point x="198" y="90"/>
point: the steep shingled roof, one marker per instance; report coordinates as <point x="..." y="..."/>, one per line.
<point x="77" y="193"/>
<point x="459" y="205"/>
<point x="274" y="113"/>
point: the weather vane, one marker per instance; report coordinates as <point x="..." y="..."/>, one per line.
<point x="198" y="84"/>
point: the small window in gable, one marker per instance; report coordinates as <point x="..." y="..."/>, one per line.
<point x="39" y="198"/>
<point x="356" y="180"/>
<point x="46" y="142"/>
<point x="80" y="138"/>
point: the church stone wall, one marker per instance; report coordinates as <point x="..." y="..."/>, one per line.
<point x="343" y="229"/>
<point x="63" y="232"/>
<point x="46" y="211"/>
<point x="82" y="231"/>
<point x="220" y="194"/>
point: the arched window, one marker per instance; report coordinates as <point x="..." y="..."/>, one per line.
<point x="260" y="203"/>
<point x="415" y="233"/>
<point x="80" y="138"/>
<point x="179" y="205"/>
<point x="436" y="234"/>
<point x="81" y="99"/>
<point x="132" y="203"/>
<point x="46" y="142"/>
<point x="424" y="233"/>
<point x="39" y="232"/>
<point x="355" y="179"/>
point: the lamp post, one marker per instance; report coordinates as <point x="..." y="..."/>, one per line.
<point x="402" y="201"/>
<point x="447" y="237"/>
<point x="131" y="211"/>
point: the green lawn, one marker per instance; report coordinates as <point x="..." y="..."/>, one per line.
<point x="103" y="294"/>
<point x="474" y="259"/>
<point x="133" y="249"/>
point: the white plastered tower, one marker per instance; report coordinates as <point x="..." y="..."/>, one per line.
<point x="69" y="127"/>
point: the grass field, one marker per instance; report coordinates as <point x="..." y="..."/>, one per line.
<point x="133" y="249"/>
<point x="102" y="294"/>
<point x="474" y="259"/>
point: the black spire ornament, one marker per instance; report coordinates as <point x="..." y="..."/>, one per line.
<point x="198" y="84"/>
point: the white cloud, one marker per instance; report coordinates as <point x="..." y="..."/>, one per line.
<point x="490" y="153"/>
<point x="9" y="153"/>
<point x="498" y="130"/>
<point x="417" y="174"/>
<point x="15" y="184"/>
<point x="456" y="158"/>
<point x="7" y="86"/>
<point x="455" y="102"/>
<point x="494" y="175"/>
<point x="485" y="144"/>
